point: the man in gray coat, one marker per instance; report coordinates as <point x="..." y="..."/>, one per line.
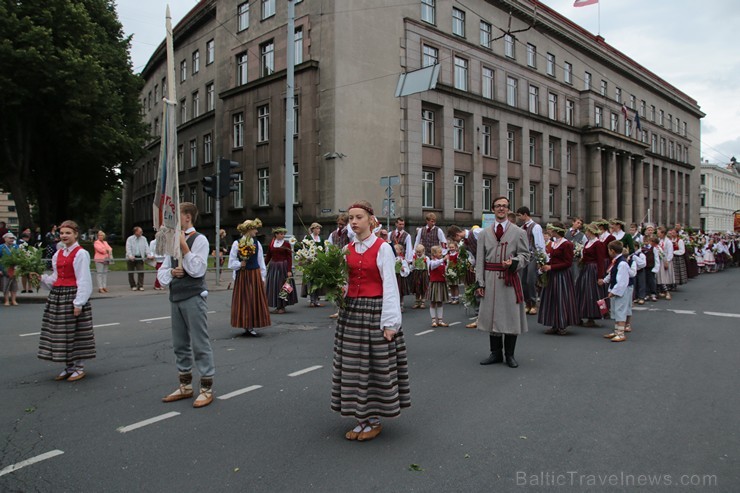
<point x="503" y="250"/>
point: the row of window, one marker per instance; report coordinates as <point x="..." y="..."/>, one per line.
<point x="267" y="58"/>
<point x="430" y="56"/>
<point x="428" y="197"/>
<point x="461" y="139"/>
<point x="263" y="125"/>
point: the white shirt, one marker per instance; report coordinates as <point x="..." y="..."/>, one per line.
<point x="235" y="264"/>
<point x="152" y="251"/>
<point x="390" y="317"/>
<point x="667" y="246"/>
<point x="405" y="271"/>
<point x="623" y="279"/>
<point x="195" y="262"/>
<point x="681" y="248"/>
<point x="81" y="265"/>
<point x="408" y="249"/>
<point x="539" y="238"/>
<point x="137" y="245"/>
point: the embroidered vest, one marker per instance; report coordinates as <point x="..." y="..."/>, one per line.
<point x="429" y="238"/>
<point x="65" y="269"/>
<point x="364" y="276"/>
<point x="187" y="287"/>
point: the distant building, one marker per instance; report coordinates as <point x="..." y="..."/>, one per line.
<point x="537" y="115"/>
<point x="719" y="195"/>
<point x="8" y="213"/>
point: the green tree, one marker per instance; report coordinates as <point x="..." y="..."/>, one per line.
<point x="70" y="118"/>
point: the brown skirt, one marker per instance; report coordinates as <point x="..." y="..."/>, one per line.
<point x="248" y="301"/>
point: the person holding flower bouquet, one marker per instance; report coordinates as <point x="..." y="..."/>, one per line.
<point x="370" y="369"/>
<point x="453" y="271"/>
<point x="437" y="292"/>
<point x="67" y="326"/>
<point x="420" y="276"/>
<point x="248" y="299"/>
<point x="7" y="272"/>
<point x="280" y="283"/>
<point x="558" y="308"/>
<point x="311" y="239"/>
<point x="402" y="272"/>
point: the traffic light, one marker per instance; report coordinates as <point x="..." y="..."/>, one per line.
<point x="209" y="185"/>
<point x="225" y="169"/>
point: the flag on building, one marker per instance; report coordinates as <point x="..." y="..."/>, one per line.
<point x="624" y="111"/>
<point x="637" y="121"/>
<point x="583" y="3"/>
<point x="166" y="206"/>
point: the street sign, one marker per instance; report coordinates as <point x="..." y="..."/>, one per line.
<point x="325" y="211"/>
<point x="389" y="191"/>
<point x="390" y="181"/>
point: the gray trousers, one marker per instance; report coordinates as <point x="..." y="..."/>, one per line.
<point x="190" y="336"/>
<point x="529" y="278"/>
<point x="138" y="266"/>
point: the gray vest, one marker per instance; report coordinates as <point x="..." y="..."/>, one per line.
<point x="187" y="287"/>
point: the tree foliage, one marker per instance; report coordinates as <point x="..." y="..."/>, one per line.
<point x="70" y="118"/>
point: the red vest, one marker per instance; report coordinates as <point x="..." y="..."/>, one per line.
<point x="364" y="275"/>
<point x="65" y="269"/>
<point x="437" y="274"/>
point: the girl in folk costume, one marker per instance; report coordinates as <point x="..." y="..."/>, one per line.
<point x="620" y="291"/>
<point x="280" y="284"/>
<point x="640" y="285"/>
<point x="679" y="258"/>
<point x="592" y="269"/>
<point x="558" y="308"/>
<point x="402" y="272"/>
<point x="452" y="258"/>
<point x="313" y="296"/>
<point x="420" y="276"/>
<point x="657" y="262"/>
<point x="710" y="263"/>
<point x="67" y="328"/>
<point x="248" y="300"/>
<point x="616" y="227"/>
<point x="437" y="292"/>
<point x="370" y="368"/>
<point x="665" y="277"/>
<point x="699" y="255"/>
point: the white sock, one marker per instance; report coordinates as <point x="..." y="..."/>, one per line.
<point x="440" y="312"/>
<point x="432" y="312"/>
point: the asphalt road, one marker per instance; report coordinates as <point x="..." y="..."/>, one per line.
<point x="579" y="414"/>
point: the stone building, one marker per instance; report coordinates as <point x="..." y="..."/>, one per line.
<point x="532" y="107"/>
<point x="720" y="196"/>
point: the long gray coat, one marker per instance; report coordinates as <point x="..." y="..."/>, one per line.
<point x="499" y="311"/>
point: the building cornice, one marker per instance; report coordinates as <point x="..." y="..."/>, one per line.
<point x="263" y="81"/>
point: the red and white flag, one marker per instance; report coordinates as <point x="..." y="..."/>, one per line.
<point x="583" y="3"/>
<point x="624" y="111"/>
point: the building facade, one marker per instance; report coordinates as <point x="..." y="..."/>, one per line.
<point x="720" y="196"/>
<point x="8" y="215"/>
<point x="531" y="107"/>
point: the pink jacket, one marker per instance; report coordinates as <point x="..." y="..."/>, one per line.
<point x="102" y="250"/>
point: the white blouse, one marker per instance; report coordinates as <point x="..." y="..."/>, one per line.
<point x="81" y="265"/>
<point x="235" y="264"/>
<point x="390" y="317"/>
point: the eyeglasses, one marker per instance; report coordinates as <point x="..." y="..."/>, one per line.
<point x="500" y="206"/>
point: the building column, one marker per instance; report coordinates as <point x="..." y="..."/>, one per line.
<point x="564" y="181"/>
<point x="526" y="169"/>
<point x="676" y="197"/>
<point x="594" y="190"/>
<point x="545" y="183"/>
<point x="639" y="191"/>
<point x="447" y="173"/>
<point x="668" y="214"/>
<point x="626" y="214"/>
<point x="611" y="185"/>
<point x="475" y="181"/>
<point x="659" y="196"/>
<point x="503" y="161"/>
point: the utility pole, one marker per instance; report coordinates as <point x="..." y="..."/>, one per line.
<point x="218" y="222"/>
<point x="289" y="119"/>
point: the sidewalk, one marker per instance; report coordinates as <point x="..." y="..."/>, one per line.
<point x="118" y="286"/>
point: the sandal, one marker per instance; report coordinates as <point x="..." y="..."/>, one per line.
<point x="375" y="429"/>
<point x="65" y="374"/>
<point x="352" y="434"/>
<point x="442" y="324"/>
<point x="628" y="328"/>
<point x="434" y="322"/>
<point x="77" y="374"/>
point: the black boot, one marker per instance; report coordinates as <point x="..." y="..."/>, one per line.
<point x="509" y="345"/>
<point x="497" y="355"/>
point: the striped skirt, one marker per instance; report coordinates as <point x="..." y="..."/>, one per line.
<point x="692" y="267"/>
<point x="403" y="286"/>
<point x="248" y="301"/>
<point x="277" y="273"/>
<point x="437" y="292"/>
<point x="64" y="337"/>
<point x="588" y="293"/>
<point x="420" y="283"/>
<point x="558" y="306"/>
<point x="679" y="269"/>
<point x="370" y="376"/>
<point x="665" y="276"/>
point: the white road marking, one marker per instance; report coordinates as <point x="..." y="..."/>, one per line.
<point x="454" y="323"/>
<point x="30" y="334"/>
<point x="719" y="314"/>
<point x="153" y="319"/>
<point x="106" y="325"/>
<point x="640" y="308"/>
<point x="473" y="318"/>
<point x="146" y="422"/>
<point x="683" y="312"/>
<point x="239" y="392"/>
<point x="305" y="370"/>
<point x="424" y="332"/>
<point x="212" y="311"/>
<point x="28" y="462"/>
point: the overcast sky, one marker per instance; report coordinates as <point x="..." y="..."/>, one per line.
<point x="688" y="43"/>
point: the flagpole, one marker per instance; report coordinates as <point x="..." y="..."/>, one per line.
<point x="172" y="97"/>
<point x="599" y="17"/>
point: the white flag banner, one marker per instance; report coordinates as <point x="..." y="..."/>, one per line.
<point x="166" y="207"/>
